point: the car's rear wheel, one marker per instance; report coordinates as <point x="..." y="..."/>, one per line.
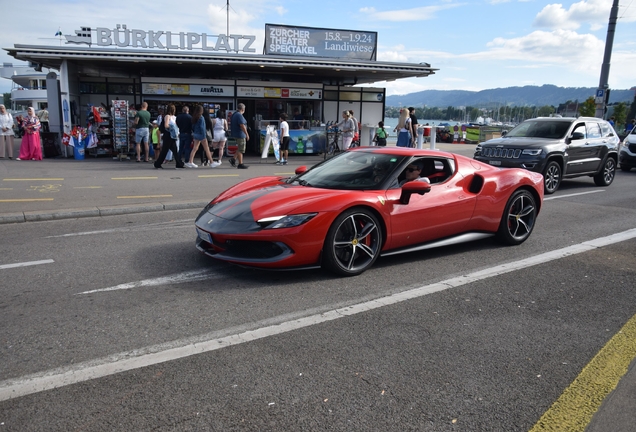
<point x="552" y="177"/>
<point x="518" y="218"/>
<point x="606" y="176"/>
<point x="353" y="242"/>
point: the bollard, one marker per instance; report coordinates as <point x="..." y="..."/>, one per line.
<point x="420" y="137"/>
<point x="433" y="136"/>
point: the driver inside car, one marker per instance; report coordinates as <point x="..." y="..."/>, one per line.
<point x="412" y="173"/>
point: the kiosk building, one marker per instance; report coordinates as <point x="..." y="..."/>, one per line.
<point x="310" y="72"/>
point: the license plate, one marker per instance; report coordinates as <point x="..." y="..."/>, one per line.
<point x="494" y="162"/>
<point x="204" y="236"/>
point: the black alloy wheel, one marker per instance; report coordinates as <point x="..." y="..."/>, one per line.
<point x="518" y="218"/>
<point x="552" y="177"/>
<point x="606" y="176"/>
<point x="353" y="242"/>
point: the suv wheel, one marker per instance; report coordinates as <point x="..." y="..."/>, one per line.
<point x="606" y="176"/>
<point x="552" y="177"/>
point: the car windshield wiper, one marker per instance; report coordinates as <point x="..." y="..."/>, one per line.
<point x="304" y="183"/>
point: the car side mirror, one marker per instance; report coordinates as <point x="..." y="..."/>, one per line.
<point x="413" y="187"/>
<point x="504" y="133"/>
<point x="301" y="169"/>
<point x="577" y="136"/>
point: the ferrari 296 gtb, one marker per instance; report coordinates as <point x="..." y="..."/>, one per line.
<point x="344" y="213"/>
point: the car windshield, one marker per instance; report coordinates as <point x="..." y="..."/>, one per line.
<point x="357" y="170"/>
<point x="540" y="129"/>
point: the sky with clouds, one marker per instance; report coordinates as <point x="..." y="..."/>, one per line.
<point x="475" y="45"/>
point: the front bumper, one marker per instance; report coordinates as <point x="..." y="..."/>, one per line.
<point x="535" y="164"/>
<point x="627" y="157"/>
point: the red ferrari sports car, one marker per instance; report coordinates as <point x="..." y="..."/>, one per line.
<point x="343" y="213"/>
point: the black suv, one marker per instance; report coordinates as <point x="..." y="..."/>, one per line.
<point x="558" y="148"/>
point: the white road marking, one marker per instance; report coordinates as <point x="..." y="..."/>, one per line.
<point x="148" y="356"/>
<point x="26" y="264"/>
<point x="574" y="194"/>
<point x="190" y="276"/>
<point x="147" y="227"/>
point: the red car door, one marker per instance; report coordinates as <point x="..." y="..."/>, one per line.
<point x="442" y="212"/>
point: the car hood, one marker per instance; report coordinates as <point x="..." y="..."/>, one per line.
<point x="525" y="143"/>
<point x="277" y="200"/>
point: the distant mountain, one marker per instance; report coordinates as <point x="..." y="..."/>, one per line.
<point x="517" y="96"/>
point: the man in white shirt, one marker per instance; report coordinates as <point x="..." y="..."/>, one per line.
<point x="284" y="139"/>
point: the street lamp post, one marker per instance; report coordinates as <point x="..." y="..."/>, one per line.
<point x="602" y="93"/>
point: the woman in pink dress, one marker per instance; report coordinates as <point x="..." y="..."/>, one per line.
<point x="30" y="147"/>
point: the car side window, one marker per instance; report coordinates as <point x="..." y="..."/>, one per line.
<point x="580" y="129"/>
<point x="606" y="130"/>
<point x="593" y="130"/>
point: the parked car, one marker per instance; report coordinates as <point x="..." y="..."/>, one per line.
<point x="347" y="211"/>
<point x="627" y="152"/>
<point x="557" y="147"/>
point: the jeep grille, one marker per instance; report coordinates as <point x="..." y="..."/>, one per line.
<point x="499" y="152"/>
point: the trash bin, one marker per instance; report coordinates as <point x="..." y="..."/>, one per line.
<point x="79" y="149"/>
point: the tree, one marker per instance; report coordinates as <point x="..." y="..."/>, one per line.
<point x="588" y="108"/>
<point x="620" y="115"/>
<point x="545" y="111"/>
<point x="7" y="99"/>
<point x="632" y="110"/>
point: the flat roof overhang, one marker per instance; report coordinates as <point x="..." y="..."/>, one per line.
<point x="129" y="63"/>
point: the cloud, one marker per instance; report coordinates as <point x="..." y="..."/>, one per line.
<point x="415" y="14"/>
<point x="554" y="16"/>
<point x="556" y="46"/>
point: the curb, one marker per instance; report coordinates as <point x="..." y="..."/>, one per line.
<point x="47" y="215"/>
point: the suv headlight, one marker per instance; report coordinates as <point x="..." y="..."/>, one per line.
<point x="478" y="149"/>
<point x="532" y="152"/>
<point x="287" y="221"/>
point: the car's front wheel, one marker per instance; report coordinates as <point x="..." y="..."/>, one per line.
<point x="605" y="177"/>
<point x="552" y="177"/>
<point x="518" y="218"/>
<point x="353" y="242"/>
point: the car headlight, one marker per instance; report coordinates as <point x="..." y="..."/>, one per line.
<point x="478" y="149"/>
<point x="531" y="152"/>
<point x="287" y="221"/>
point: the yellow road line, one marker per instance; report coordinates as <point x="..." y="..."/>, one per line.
<point x="6" y="188"/>
<point x="145" y="196"/>
<point x="291" y="173"/>
<point x="574" y="409"/>
<point x="32" y="179"/>
<point x="27" y="200"/>
<point x="134" y="178"/>
<point x="87" y="187"/>
<point x="218" y="175"/>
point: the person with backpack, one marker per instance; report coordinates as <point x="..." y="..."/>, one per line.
<point x="380" y="135"/>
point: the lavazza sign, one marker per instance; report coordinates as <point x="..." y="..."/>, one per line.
<point x="124" y="37"/>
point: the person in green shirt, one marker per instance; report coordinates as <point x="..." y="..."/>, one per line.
<point x="155" y="137"/>
<point x="380" y="135"/>
<point x="142" y="134"/>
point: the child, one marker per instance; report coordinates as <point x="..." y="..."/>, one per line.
<point x="155" y="137"/>
<point x="380" y="135"/>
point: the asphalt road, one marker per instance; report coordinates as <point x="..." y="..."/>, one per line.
<point x="123" y="325"/>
